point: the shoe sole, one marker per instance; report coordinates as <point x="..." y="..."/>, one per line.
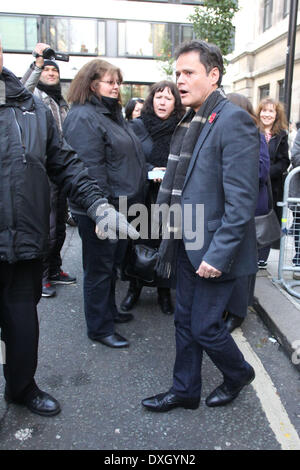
<point x="48" y="295"/>
<point x="171" y="407"/>
<point x="45" y="413"/>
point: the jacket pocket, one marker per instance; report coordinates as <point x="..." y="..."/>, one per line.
<point x="30" y="198"/>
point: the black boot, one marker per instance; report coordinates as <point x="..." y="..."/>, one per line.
<point x="132" y="296"/>
<point x="164" y="300"/>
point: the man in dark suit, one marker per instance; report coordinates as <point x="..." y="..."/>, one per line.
<point x="213" y="163"/>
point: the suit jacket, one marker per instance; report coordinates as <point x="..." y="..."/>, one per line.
<point x="223" y="176"/>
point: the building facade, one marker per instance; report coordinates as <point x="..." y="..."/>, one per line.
<point x="130" y="34"/>
<point x="257" y="64"/>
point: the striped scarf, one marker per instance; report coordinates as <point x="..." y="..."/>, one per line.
<point x="181" y="150"/>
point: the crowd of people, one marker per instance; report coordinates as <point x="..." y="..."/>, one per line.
<point x="84" y="154"/>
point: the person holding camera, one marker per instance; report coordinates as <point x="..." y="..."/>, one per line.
<point x="43" y="79"/>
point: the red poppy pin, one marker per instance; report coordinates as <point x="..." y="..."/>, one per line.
<point x="212" y="118"/>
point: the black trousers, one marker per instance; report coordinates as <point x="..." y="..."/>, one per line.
<point x="57" y="234"/>
<point x="20" y="292"/>
<point x="100" y="259"/>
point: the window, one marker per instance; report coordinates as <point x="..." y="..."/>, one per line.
<point x="134" y="90"/>
<point x="281" y="91"/>
<point x="286" y="7"/>
<point x="264" y="91"/>
<point x="80" y="36"/>
<point x="268" y="11"/>
<point x="19" y="33"/>
<point x="152" y="37"/>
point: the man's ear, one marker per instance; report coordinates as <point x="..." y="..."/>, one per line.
<point x="215" y="75"/>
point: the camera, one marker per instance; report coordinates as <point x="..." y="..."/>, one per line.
<point x="51" y="54"/>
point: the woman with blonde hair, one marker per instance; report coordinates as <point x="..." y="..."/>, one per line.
<point x="274" y="125"/>
<point x="103" y="140"/>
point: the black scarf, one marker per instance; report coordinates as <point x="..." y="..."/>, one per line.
<point x="161" y="132"/>
<point x="113" y="105"/>
<point x="54" y="91"/>
<point x="181" y="151"/>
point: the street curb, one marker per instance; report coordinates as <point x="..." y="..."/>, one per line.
<point x="279" y="314"/>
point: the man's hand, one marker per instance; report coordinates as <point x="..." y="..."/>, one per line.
<point x="207" y="271"/>
<point x="39" y="49"/>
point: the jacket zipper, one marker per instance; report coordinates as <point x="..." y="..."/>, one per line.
<point x="21" y="138"/>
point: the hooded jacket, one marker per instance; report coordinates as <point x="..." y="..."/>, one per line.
<point x="31" y="149"/>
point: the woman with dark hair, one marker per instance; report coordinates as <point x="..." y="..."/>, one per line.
<point x="103" y="140"/>
<point x="242" y="295"/>
<point x="274" y="125"/>
<point x="160" y="115"/>
<point x="133" y="108"/>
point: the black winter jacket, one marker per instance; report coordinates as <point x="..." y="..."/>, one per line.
<point x="279" y="163"/>
<point x="30" y="148"/>
<point x="109" y="148"/>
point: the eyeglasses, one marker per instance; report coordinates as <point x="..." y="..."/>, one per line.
<point x="111" y="82"/>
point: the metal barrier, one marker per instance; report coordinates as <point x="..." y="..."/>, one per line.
<point x="289" y="255"/>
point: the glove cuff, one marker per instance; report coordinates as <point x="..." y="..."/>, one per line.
<point x="93" y="211"/>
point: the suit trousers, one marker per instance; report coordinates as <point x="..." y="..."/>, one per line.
<point x="200" y="304"/>
<point x="100" y="259"/>
<point x="20" y="292"/>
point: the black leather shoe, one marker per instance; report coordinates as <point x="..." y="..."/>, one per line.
<point x="131" y="298"/>
<point x="224" y="394"/>
<point x="123" y="317"/>
<point x="168" y="401"/>
<point x="232" y="322"/>
<point x="165" y="302"/>
<point x="113" y="341"/>
<point x="40" y="403"/>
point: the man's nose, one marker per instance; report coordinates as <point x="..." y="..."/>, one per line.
<point x="179" y="78"/>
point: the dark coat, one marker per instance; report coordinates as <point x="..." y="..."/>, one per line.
<point x="222" y="178"/>
<point x="141" y="132"/>
<point x="31" y="149"/>
<point x="264" y="170"/>
<point x="109" y="148"/>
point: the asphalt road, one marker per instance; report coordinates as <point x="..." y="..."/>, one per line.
<point x="100" y="389"/>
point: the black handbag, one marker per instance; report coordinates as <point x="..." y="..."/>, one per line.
<point x="267" y="226"/>
<point x="142" y="262"/>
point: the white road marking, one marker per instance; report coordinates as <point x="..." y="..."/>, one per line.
<point x="277" y="416"/>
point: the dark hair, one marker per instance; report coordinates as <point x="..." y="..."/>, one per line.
<point x="179" y="109"/>
<point x="243" y="102"/>
<point x="80" y="88"/>
<point x="209" y="55"/>
<point x="130" y="107"/>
